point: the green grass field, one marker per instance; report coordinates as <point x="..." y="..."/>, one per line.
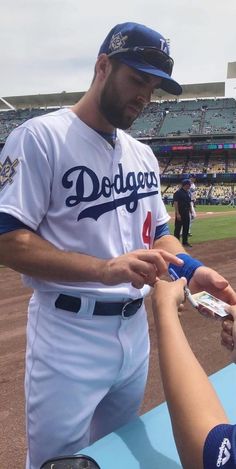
<point x="209" y="208"/>
<point x="210" y="229"/>
<point x="215" y="208"/>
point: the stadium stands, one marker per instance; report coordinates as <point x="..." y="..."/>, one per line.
<point x="190" y="117"/>
<point x="214" y="194"/>
<point x="159" y="119"/>
<point x="188" y="136"/>
<point x="10" y="119"/>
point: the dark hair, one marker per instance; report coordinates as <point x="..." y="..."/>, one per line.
<point x="114" y="63"/>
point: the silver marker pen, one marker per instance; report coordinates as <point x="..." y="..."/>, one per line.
<point x="187" y="292"/>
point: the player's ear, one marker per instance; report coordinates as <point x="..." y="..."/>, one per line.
<point x="103" y="66"/>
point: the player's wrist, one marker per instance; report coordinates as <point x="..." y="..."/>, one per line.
<point x="188" y="268"/>
<point x="104" y="272"/>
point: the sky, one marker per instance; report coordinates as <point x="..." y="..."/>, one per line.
<point x="50" y="46"/>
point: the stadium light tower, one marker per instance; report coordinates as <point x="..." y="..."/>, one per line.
<point x="231" y="76"/>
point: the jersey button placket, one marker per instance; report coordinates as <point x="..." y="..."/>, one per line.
<point x="121" y="211"/>
<point x="125" y="229"/>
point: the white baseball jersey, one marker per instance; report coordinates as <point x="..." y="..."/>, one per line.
<point x="193" y="191"/>
<point x="74" y="189"/>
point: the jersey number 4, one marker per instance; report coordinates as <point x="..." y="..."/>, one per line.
<point x="147" y="229"/>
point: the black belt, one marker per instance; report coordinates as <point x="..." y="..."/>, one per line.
<point x="73" y="304"/>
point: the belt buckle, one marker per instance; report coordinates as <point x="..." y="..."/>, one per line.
<point x="137" y="302"/>
<point x="124" y="309"/>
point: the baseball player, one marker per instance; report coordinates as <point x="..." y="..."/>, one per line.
<point x="81" y="209"/>
<point x="193" y="195"/>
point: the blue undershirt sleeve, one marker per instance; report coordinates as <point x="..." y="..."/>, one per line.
<point x="162" y="230"/>
<point x="9" y="223"/>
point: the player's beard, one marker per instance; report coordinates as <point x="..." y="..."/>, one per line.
<point x="113" y="108"/>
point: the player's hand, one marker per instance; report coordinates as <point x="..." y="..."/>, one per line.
<point x="228" y="331"/>
<point x="168" y="296"/>
<point x="209" y="280"/>
<point x="138" y="267"/>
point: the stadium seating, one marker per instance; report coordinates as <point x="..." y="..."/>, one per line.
<point x="187" y="117"/>
<point x="10" y="119"/>
<point x="205" y="193"/>
<point x="180" y="121"/>
<point x="159" y="119"/>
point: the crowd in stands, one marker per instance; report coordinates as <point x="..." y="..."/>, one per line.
<point x="231" y="165"/>
<point x="196" y="165"/>
<point x="9" y="119"/>
<point x="147" y="125"/>
<point x="186" y="117"/>
<point x="205" y="194"/>
<point x="159" y="119"/>
<point x="171" y="118"/>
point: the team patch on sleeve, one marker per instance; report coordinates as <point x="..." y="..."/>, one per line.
<point x="7" y="171"/>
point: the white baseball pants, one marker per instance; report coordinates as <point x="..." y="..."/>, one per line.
<point x="85" y="377"/>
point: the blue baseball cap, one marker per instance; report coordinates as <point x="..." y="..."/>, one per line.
<point x="143" y="49"/>
<point x="186" y="181"/>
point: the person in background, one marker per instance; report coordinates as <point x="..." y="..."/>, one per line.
<point x="193" y="195"/>
<point x="203" y="435"/>
<point x="183" y="210"/>
<point x="232" y="197"/>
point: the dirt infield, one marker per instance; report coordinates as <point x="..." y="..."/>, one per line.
<point x="204" y="336"/>
<point x="209" y="214"/>
<point x="215" y="214"/>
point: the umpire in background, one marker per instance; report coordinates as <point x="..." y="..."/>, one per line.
<point x="182" y="204"/>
